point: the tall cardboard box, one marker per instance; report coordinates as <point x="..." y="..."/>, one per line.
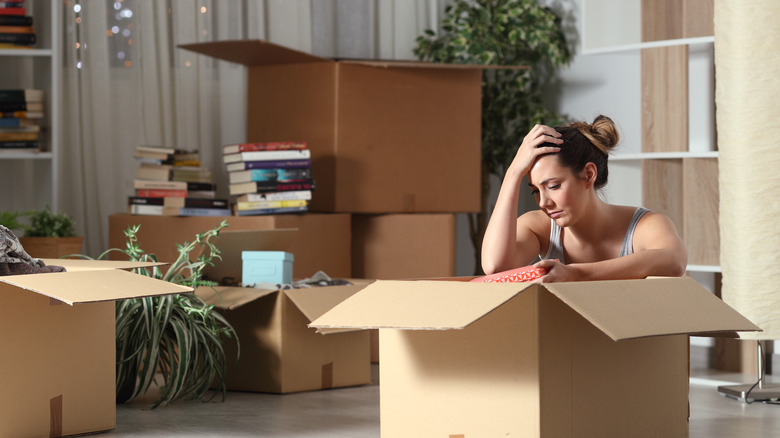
<point x="581" y="359"/>
<point x="402" y="246"/>
<point x="279" y="352"/>
<point x="385" y="137"/>
<point x="59" y="347"/>
<point x="322" y="241"/>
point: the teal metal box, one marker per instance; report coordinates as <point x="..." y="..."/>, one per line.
<point x="266" y="267"/>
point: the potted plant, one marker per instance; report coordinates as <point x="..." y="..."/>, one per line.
<point x="501" y="32"/>
<point x="48" y="234"/>
<point x="176" y="337"/>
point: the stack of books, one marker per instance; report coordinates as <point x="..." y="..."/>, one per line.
<point x="16" y="27"/>
<point x="21" y="111"/>
<point x="269" y="178"/>
<point x="172" y="182"/>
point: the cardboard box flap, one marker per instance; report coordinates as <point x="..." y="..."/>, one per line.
<point x="314" y="302"/>
<point x="253" y="52"/>
<point x="425" y="64"/>
<point x="71" y="265"/>
<point x="93" y="285"/>
<point x="628" y="309"/>
<point x="232" y="243"/>
<point x="422" y="305"/>
<point x="230" y="298"/>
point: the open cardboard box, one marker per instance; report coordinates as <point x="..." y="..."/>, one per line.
<point x="581" y="359"/>
<point x="59" y="347"/>
<point x="279" y="352"/>
<point x="385" y="136"/>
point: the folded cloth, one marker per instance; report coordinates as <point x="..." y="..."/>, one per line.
<point x="14" y="260"/>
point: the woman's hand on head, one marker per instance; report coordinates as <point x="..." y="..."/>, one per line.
<point x="529" y="150"/>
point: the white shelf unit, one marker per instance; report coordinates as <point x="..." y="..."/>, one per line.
<point x="31" y="178"/>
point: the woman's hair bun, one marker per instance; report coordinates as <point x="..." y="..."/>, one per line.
<point x="605" y="133"/>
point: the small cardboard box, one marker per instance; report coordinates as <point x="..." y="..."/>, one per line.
<point x="581" y="359"/>
<point x="385" y="136"/>
<point x="59" y="347"/>
<point x="279" y="352"/>
<point x="266" y="267"/>
<point x="322" y="242"/>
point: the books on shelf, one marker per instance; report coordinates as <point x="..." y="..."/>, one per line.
<point x="280" y="210"/>
<point x="275" y="196"/>
<point x="16" y="20"/>
<point x="20" y="113"/>
<point x="271" y="146"/>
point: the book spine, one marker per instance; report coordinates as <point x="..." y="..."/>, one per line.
<point x="206" y="203"/>
<point x="279" y="174"/>
<point x="140" y="200"/>
<point x="13" y="11"/>
<point x="19" y="136"/>
<point x="269" y="164"/>
<point x="16" y="20"/>
<point x="16" y="122"/>
<point x="161" y="193"/>
<point x="266" y="211"/>
<point x="160" y="185"/>
<point x="271" y="204"/>
<point x="13" y="106"/>
<point x="276" y="196"/>
<point x="253" y="147"/>
<point x="201" y="186"/>
<point x="22" y="114"/>
<point x="17" y="38"/>
<point x="189" y="211"/>
<point x="12" y="95"/>
<point x="269" y="155"/>
<point x="19" y="144"/>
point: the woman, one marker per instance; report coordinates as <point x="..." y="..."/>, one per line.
<point x="589" y="238"/>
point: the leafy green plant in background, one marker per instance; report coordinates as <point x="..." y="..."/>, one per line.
<point x="501" y="32"/>
<point x="178" y="336"/>
<point x="42" y="223"/>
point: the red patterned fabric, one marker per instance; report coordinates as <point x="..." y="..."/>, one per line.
<point x="517" y="275"/>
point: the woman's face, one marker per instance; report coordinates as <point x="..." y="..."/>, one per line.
<point x="559" y="193"/>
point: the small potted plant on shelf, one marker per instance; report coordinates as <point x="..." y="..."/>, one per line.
<point x="49" y="234"/>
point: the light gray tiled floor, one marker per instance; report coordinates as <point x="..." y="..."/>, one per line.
<point x="354" y="412"/>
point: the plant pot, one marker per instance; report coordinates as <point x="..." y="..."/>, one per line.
<point x="51" y="247"/>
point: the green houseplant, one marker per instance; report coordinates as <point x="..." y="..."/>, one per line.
<point x="501" y="32"/>
<point x="178" y="337"/>
<point x="45" y="233"/>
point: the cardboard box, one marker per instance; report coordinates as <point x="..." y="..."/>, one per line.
<point x="59" y="347"/>
<point x="584" y="359"/>
<point x="279" y="352"/>
<point x="403" y="246"/>
<point x="385" y="136"/>
<point x="322" y="241"/>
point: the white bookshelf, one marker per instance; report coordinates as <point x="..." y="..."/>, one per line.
<point x="32" y="176"/>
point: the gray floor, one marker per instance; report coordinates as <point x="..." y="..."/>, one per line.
<point x="354" y="412"/>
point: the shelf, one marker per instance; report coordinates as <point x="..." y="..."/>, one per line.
<point x="663" y="156"/>
<point x="649" y="45"/>
<point x="703" y="268"/>
<point x="21" y="155"/>
<point x="26" y="52"/>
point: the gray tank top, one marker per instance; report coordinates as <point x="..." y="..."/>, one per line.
<point x="555" y="248"/>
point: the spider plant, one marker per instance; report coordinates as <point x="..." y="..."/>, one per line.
<point x="177" y="336"/>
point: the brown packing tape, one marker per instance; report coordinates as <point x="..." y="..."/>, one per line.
<point x="55" y="413"/>
<point x="327" y="376"/>
<point x="459" y="435"/>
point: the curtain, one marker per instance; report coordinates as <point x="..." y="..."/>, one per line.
<point x="125" y="83"/>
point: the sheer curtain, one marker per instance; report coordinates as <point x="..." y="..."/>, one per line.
<point x="125" y="82"/>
